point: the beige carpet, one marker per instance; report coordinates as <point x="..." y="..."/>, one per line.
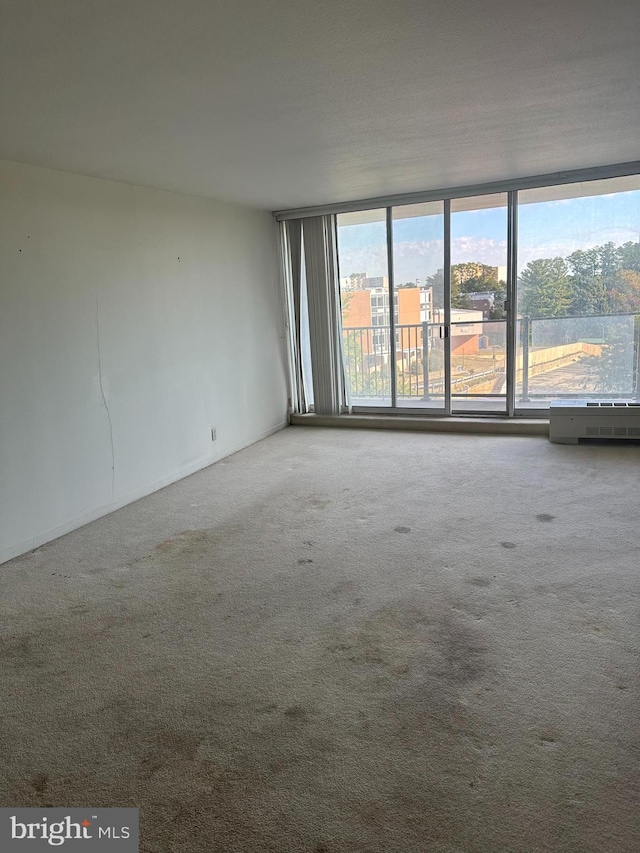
<point x="342" y="641"/>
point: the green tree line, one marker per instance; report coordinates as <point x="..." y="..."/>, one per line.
<point x="602" y="280"/>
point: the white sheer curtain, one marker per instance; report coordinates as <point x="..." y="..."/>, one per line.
<point x="310" y="255"/>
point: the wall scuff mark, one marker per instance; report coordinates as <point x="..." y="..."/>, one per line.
<point x="104" y="402"/>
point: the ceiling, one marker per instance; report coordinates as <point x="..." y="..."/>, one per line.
<point x="290" y="103"/>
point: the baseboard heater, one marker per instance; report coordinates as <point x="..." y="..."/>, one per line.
<point x="572" y="420"/>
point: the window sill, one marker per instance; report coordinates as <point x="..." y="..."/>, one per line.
<point x="478" y="426"/>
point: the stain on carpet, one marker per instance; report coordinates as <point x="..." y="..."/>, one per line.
<point x="463" y="651"/>
<point x="296" y="712"/>
<point x="269" y="708"/>
<point x="407" y="637"/>
<point x="183" y="540"/>
<point x="194" y="542"/>
<point x="544" y="516"/>
<point x="316" y="503"/>
<point x="40" y="782"/>
<point x="401" y="529"/>
<point x="344" y="586"/>
<point x="549" y="739"/>
<point x="21" y="651"/>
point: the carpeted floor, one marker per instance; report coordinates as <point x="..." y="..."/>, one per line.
<point x="342" y="641"/>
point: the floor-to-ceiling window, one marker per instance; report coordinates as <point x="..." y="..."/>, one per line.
<point x="419" y="299"/>
<point x="478" y="294"/>
<point x="366" y="310"/>
<point x="492" y="302"/>
<point x="578" y="292"/>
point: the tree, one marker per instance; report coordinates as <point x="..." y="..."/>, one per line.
<point x="544" y="288"/>
<point x="610" y="257"/>
<point x="593" y="282"/>
<point x="436" y="281"/>
<point x="346" y="297"/>
<point x="473" y="277"/>
<point x="630" y="256"/>
<point x="588" y="294"/>
<point x="613" y="369"/>
<point x="458" y="299"/>
<point x="468" y="277"/>
<point x="624" y="295"/>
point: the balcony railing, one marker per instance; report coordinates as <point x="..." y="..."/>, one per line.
<point x="560" y="357"/>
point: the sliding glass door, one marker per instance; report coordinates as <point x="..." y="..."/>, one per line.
<point x="393" y="297"/>
<point x="366" y="307"/>
<point x="479" y="262"/>
<point x="420" y="296"/>
<point x="494" y="303"/>
<point x="423" y="290"/>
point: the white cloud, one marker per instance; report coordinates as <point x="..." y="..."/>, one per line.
<point x="480" y="249"/>
<point x="420" y="258"/>
<point x="563" y="248"/>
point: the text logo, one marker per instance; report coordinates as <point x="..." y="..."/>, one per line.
<point x="81" y="830"/>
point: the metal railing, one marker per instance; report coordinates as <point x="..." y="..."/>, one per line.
<point x="580" y="356"/>
<point x="559" y="357"/>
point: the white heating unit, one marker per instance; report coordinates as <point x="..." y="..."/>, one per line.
<point x="571" y="420"/>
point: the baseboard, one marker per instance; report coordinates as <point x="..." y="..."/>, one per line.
<point x="99" y="512"/>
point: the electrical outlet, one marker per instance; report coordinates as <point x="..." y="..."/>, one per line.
<point x="214" y="434"/>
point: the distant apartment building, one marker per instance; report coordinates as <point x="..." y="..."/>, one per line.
<point x="361" y="281"/>
<point x="368" y="310"/>
<point x="483" y="301"/>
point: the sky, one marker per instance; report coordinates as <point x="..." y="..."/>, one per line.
<point x="546" y="230"/>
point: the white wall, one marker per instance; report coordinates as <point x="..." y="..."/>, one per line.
<point x="132" y="321"/>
